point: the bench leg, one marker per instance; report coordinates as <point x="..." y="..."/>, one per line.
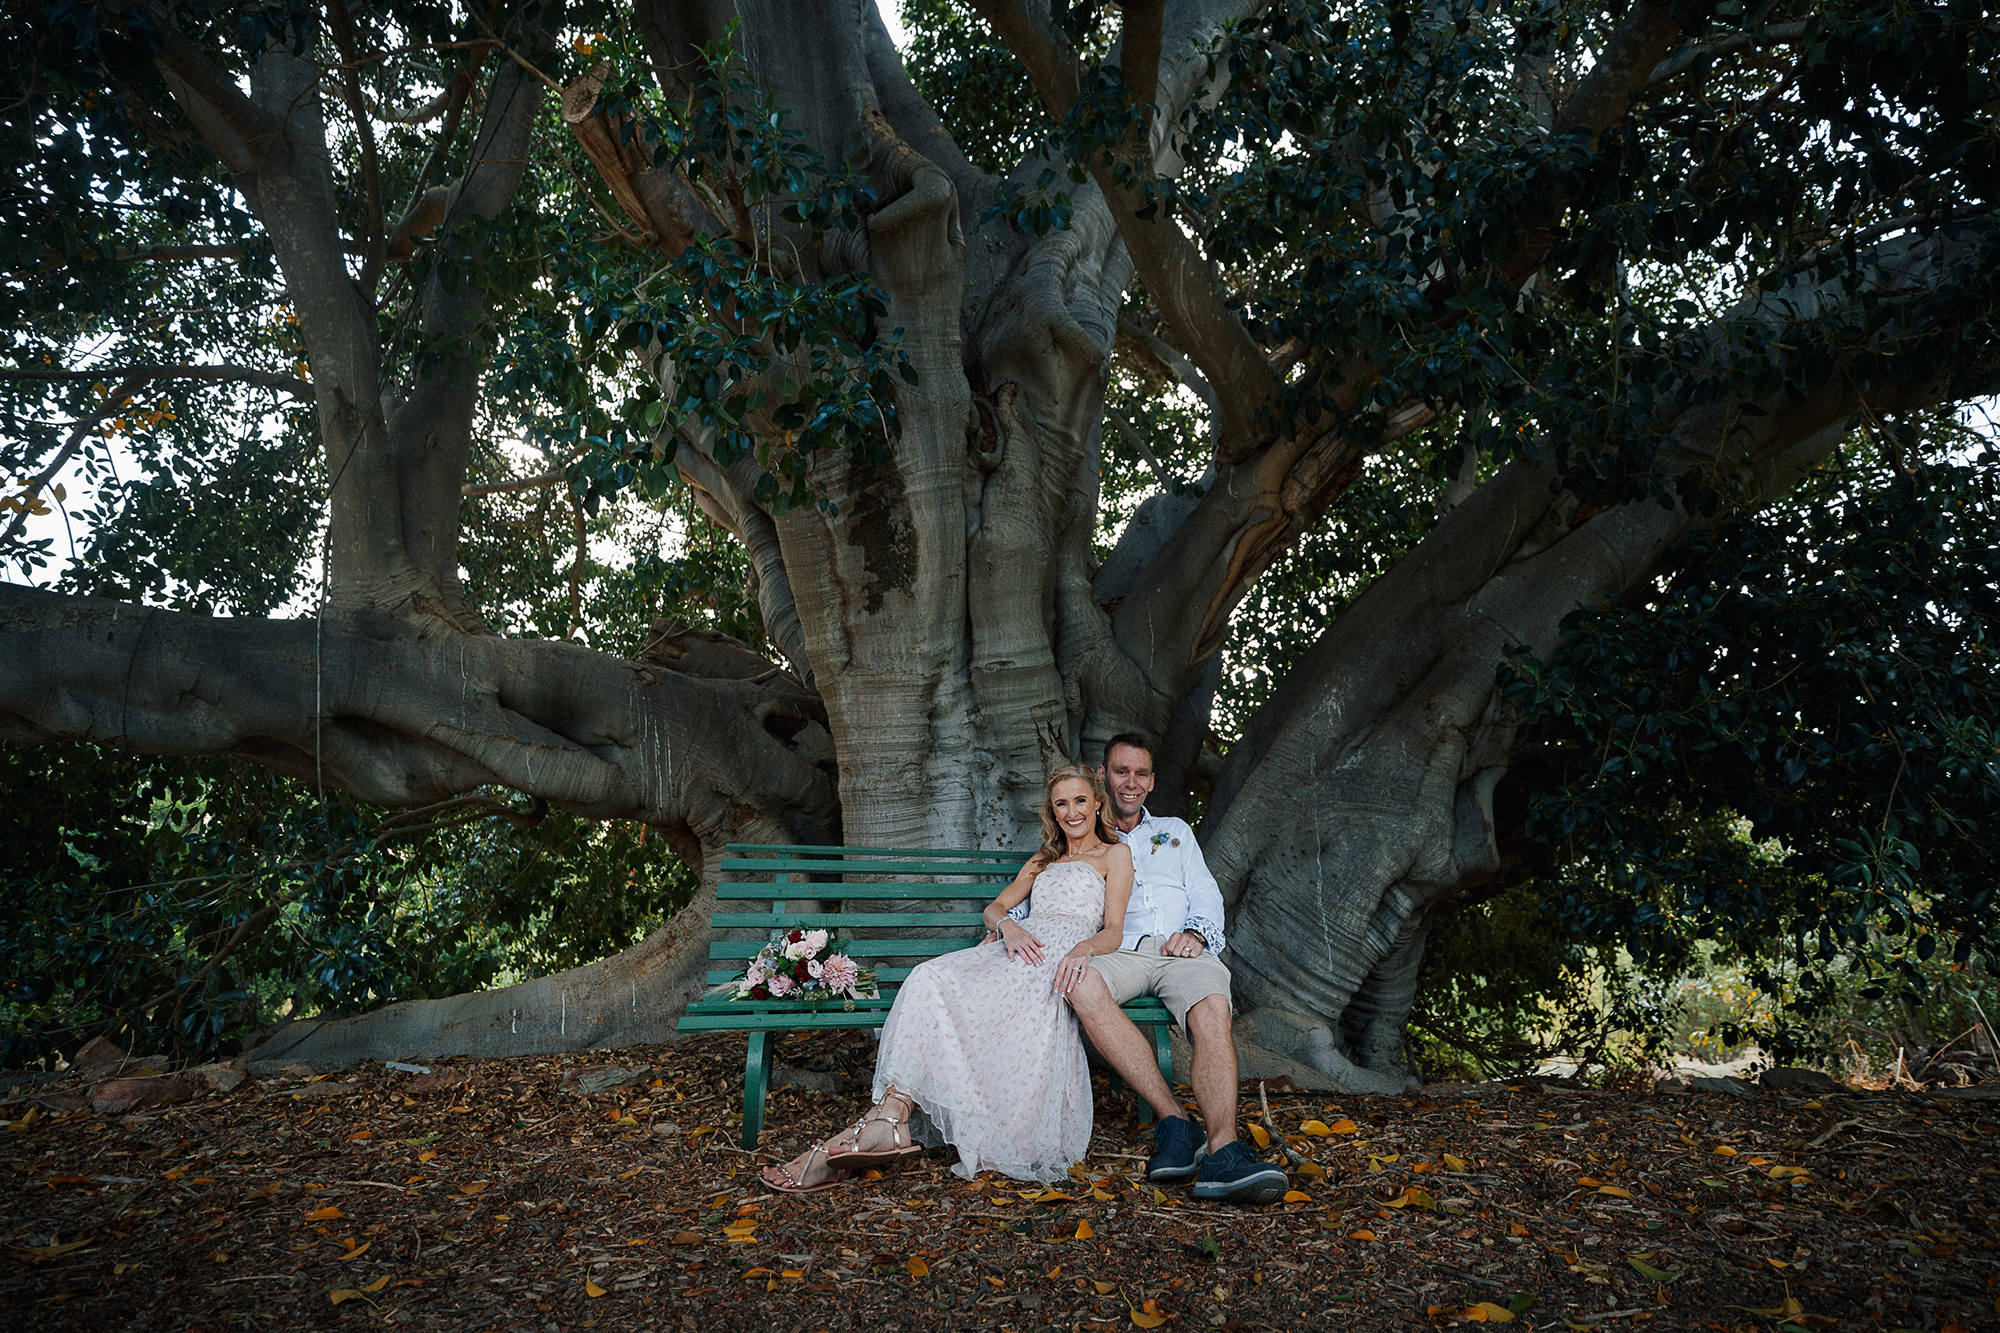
<point x="756" y="1082"/>
<point x="1163" y="1051"/>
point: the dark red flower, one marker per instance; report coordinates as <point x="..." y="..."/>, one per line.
<point x="760" y="992"/>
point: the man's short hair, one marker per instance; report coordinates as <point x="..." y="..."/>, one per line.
<point x="1136" y="739"/>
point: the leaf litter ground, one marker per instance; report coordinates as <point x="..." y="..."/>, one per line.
<point x="496" y="1195"/>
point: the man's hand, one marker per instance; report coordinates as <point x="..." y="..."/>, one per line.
<point x="1021" y="946"/>
<point x="1182" y="944"/>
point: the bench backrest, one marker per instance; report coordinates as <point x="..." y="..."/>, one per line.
<point x="785" y="876"/>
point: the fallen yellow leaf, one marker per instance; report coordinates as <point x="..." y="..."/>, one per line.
<point x="1083" y="1231"/>
<point x="426" y="1157"/>
<point x="1312" y="1170"/>
<point x="264" y="1193"/>
<point x="1297" y="1196"/>
<point x="377" y="1284"/>
<point x="1724" y="1150"/>
<point x="356" y="1251"/>
<point x="1104" y="1288"/>
<point x="1454" y="1163"/>
<point x="1486" y="1312"/>
<point x="1262" y="1140"/>
<point x="916" y="1267"/>
<point x="1144" y="1320"/>
<point x="474" y="1188"/>
<point x="686" y="1238"/>
<point x="41" y="1252"/>
<point x="1316" y="1128"/>
<point x="1343" y="1127"/>
<point x="592" y="1290"/>
<point x="1614" y="1191"/>
<point x="1101" y="1195"/>
<point x="344" y="1294"/>
<point x="1363" y="1234"/>
<point x="361" y="1134"/>
<point x="326" y="1214"/>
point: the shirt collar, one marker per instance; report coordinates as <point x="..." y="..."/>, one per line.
<point x="1145" y="818"/>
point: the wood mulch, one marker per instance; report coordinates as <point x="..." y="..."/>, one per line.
<point x="491" y="1196"/>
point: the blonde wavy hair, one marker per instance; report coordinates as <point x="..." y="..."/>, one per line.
<point x="1054" y="841"/>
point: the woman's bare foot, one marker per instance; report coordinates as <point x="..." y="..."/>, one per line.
<point x="882" y="1128"/>
<point x="808" y="1169"/>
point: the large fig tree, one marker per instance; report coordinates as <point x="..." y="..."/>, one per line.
<point x="1576" y="283"/>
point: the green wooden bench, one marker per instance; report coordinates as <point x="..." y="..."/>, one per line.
<point x="782" y="877"/>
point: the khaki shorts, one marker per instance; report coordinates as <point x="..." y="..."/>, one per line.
<point x="1181" y="983"/>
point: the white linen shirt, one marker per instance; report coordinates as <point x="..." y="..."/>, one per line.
<point x="1172" y="889"/>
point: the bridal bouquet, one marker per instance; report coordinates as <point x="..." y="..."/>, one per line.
<point x="805" y="965"/>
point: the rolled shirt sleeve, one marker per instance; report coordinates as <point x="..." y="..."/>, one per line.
<point x="1204" y="910"/>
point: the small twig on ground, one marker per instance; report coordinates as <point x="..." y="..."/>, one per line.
<point x="1292" y="1156"/>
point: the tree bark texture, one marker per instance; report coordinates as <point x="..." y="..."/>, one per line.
<point x="950" y="633"/>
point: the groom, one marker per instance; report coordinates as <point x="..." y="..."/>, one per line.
<point x="1173" y="932"/>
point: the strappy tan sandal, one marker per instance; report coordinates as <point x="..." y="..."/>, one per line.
<point x="796" y="1185"/>
<point x="878" y="1158"/>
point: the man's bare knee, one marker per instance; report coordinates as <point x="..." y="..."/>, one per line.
<point x="1209" y="1017"/>
<point x="1090" y="995"/>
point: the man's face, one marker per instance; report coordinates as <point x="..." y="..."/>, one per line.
<point x="1128" y="773"/>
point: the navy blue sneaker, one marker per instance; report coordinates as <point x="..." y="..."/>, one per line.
<point x="1233" y="1174"/>
<point x="1177" y="1146"/>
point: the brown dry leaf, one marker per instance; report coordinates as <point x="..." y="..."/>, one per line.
<point x="474" y="1188"/>
<point x="1614" y="1191"/>
<point x="686" y="1238"/>
<point x="264" y="1193"/>
<point x="916" y="1267"/>
<point x="1312" y="1170"/>
<point x="1588" y="1182"/>
<point x="1104" y="1288"/>
<point x="42" y="1252"/>
<point x="1343" y="1127"/>
<point x="361" y="1134"/>
<point x="1083" y="1230"/>
<point x="426" y="1156"/>
<point x="55" y="1181"/>
<point x="1363" y="1234"/>
<point x="1516" y="1229"/>
<point x="1259" y="1137"/>
<point x="326" y="1214"/>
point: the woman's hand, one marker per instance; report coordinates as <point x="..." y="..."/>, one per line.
<point x="1074" y="964"/>
<point x="1021" y="946"/>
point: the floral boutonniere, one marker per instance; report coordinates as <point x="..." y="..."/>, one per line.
<point x="1159" y="838"/>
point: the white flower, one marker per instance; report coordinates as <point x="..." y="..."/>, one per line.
<point x="814" y="968"/>
<point x="815" y="940"/>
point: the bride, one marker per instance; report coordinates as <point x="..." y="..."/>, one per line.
<point x="981" y="1040"/>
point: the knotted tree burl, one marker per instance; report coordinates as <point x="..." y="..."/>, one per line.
<point x="1614" y="278"/>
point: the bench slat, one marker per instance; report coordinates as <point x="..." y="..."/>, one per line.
<point x="792" y="1020"/>
<point x="870" y="867"/>
<point x="935" y="853"/>
<point x="788" y="920"/>
<point x="796" y="889"/>
<point x="911" y="948"/>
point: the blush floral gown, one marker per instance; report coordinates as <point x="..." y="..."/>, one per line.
<point x="990" y="1052"/>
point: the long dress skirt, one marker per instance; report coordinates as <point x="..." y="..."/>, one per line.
<point x="993" y="1057"/>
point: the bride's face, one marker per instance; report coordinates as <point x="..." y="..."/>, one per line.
<point x="1074" y="807"/>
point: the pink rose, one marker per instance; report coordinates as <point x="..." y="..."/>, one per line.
<point x="781" y="985"/>
<point x="840" y="974"/>
<point x="814" y="968"/>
